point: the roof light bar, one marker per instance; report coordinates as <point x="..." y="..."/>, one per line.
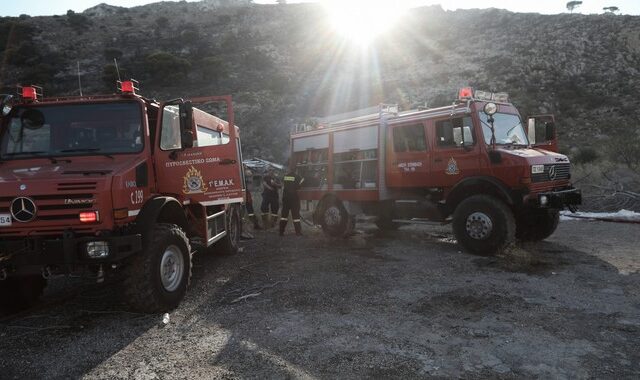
<point x="468" y="93"/>
<point x="31" y="93"/>
<point x="128" y="86"/>
<point x="465" y="93"/>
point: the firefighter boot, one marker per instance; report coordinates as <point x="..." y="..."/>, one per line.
<point x="298" y="227"/>
<point x="266" y="221"/>
<point x="283" y="225"/>
<point x="274" y="220"/>
<point x="254" y="219"/>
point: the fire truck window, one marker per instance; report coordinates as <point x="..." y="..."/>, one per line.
<point x="208" y="137"/>
<point x="26" y="140"/>
<point x="356" y="169"/>
<point x="170" y="133"/>
<point x="318" y="142"/>
<point x="508" y="129"/>
<point x="409" y="139"/>
<point x="454" y="132"/>
<point x="311" y="165"/>
<point x="73" y="129"/>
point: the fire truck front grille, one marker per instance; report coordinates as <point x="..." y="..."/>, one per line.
<point x="74" y="186"/>
<point x="55" y="207"/>
<point x="559" y="172"/>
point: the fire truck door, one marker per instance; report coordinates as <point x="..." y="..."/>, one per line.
<point x="456" y="151"/>
<point x="408" y="156"/>
<point x="208" y="172"/>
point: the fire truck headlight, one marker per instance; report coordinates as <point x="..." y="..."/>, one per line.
<point x="544" y="200"/>
<point x="490" y="108"/>
<point x="98" y="249"/>
<point x="537" y="169"/>
<point x="6" y="109"/>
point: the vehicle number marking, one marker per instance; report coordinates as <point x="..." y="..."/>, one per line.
<point x="137" y="197"/>
<point x="5" y="220"/>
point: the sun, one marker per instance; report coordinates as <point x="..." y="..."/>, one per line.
<point x="361" y="21"/>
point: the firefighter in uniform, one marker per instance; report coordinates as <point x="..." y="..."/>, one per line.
<point x="250" y="213"/>
<point x="291" y="202"/>
<point x="248" y="174"/>
<point x="270" y="202"/>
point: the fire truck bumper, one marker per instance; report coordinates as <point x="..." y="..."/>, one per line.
<point x="39" y="252"/>
<point x="559" y="199"/>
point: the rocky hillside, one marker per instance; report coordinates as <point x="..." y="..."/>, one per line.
<point x="283" y="63"/>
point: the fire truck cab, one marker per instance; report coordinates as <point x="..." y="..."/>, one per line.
<point x="98" y="185"/>
<point x="475" y="164"/>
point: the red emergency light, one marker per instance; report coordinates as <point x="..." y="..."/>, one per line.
<point x="89" y="217"/>
<point x="128" y="86"/>
<point x="465" y="93"/>
<point x="30" y="93"/>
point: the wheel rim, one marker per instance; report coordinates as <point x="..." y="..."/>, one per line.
<point x="332" y="216"/>
<point x="171" y="268"/>
<point x="479" y="225"/>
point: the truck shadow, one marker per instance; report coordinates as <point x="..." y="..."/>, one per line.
<point x="316" y="308"/>
<point x="310" y="327"/>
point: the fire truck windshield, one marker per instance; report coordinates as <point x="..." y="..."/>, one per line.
<point x="72" y="130"/>
<point x="508" y="129"/>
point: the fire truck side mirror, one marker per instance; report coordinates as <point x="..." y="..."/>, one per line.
<point x="186" y="124"/>
<point x="531" y="130"/>
<point x="5" y="104"/>
<point x="550" y="131"/>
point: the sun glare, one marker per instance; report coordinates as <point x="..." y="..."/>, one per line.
<point x="362" y="20"/>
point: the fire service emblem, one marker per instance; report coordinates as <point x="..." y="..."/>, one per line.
<point x="193" y="182"/>
<point x="452" y="167"/>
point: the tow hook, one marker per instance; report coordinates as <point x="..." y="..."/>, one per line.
<point x="3" y="274"/>
<point x="46" y="273"/>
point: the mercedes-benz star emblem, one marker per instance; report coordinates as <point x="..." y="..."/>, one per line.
<point x="552" y="172"/>
<point x="23" y="209"/>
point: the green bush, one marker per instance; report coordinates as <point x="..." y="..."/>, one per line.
<point x="212" y="69"/>
<point x="110" y="77"/>
<point x="77" y="22"/>
<point x="625" y="149"/>
<point x="163" y="67"/>
<point x="585" y="155"/>
<point x="112" y="53"/>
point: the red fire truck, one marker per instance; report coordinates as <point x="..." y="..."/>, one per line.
<point x="474" y="164"/>
<point x="94" y="185"/>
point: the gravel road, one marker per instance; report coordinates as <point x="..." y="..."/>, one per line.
<point x="407" y="304"/>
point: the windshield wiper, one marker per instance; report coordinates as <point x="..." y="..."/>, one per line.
<point x="85" y="150"/>
<point x="22" y="153"/>
<point x="79" y="150"/>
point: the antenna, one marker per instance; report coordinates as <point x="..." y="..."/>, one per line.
<point x="79" y="81"/>
<point x="115" y="61"/>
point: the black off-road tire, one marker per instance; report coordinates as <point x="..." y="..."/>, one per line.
<point x="537" y="225"/>
<point x="143" y="286"/>
<point x="385" y="216"/>
<point x="20" y="292"/>
<point x="387" y="224"/>
<point x="471" y="228"/>
<point x="229" y="244"/>
<point x="334" y="218"/>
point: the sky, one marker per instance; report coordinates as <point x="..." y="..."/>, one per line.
<point x="58" y="7"/>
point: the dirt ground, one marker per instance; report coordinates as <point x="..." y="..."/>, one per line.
<point x="407" y="304"/>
